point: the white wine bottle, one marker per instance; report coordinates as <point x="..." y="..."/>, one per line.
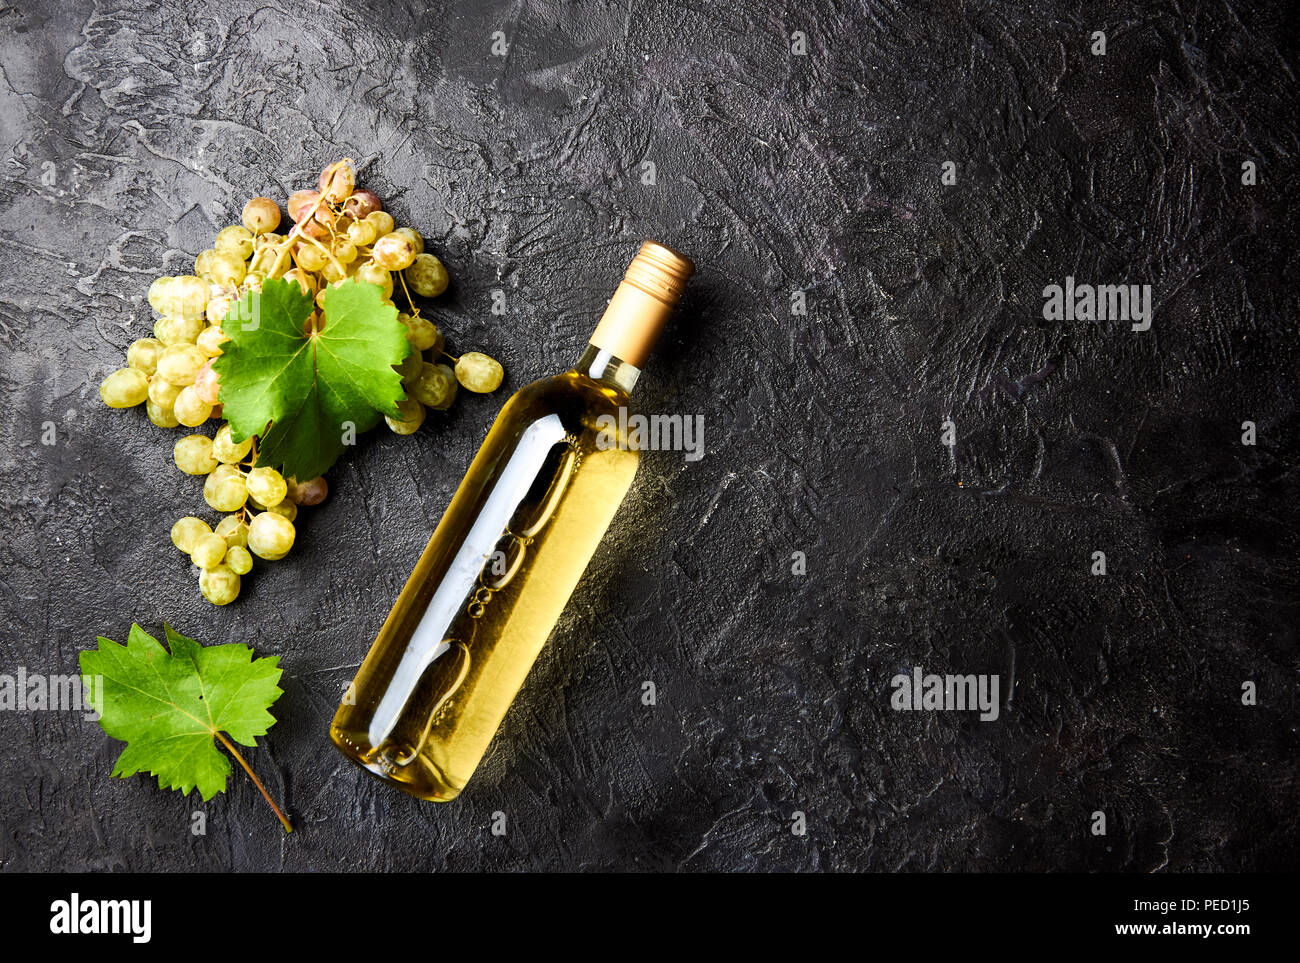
<point x="506" y="555"/>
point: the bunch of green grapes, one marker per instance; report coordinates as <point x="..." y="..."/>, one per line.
<point x="261" y="506"/>
<point x="339" y="232"/>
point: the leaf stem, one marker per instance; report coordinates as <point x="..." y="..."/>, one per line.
<point x="256" y="782"/>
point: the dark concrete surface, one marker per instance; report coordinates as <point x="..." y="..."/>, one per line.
<point x="129" y="136"/>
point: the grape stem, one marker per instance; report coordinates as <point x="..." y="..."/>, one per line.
<point x="298" y="232"/>
<point x="328" y="253"/>
<point x="415" y="312"/>
<point x="284" y="821"/>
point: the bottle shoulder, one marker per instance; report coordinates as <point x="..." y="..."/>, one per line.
<point x="571" y="408"/>
<point x="578" y="400"/>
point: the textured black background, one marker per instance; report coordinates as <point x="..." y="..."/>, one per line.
<point x="776" y="173"/>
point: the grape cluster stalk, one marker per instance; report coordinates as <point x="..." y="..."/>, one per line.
<point x="339" y="232"/>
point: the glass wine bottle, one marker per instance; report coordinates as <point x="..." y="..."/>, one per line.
<point x="507" y="554"/>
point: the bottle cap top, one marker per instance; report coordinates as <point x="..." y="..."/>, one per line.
<point x="660" y="271"/>
<point x="639" y="308"/>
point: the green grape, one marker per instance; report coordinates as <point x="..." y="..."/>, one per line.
<point x="333" y="272"/>
<point x="449" y="378"/>
<point x="286" y="508"/>
<point x="186" y="297"/>
<point x="306" y="282"/>
<point x="414" y="236"/>
<point x="219" y="308"/>
<point x="344" y="250"/>
<point x="162" y="392"/>
<point x="190" y="409"/>
<point x="208" y="551"/>
<point x="239" y="560"/>
<point x="410" y="366"/>
<point x="411" y="420"/>
<point x="203" y="264"/>
<point x="309" y="257"/>
<point x="434" y="386"/>
<point x="180" y="363"/>
<point x="187" y="532"/>
<point x="143" y="354"/>
<point x="158" y="294"/>
<point x="264" y="242"/>
<point x="267" y="486"/>
<point x="227" y="268"/>
<point x="427" y="276"/>
<point x="219" y="585"/>
<point x="233" y="529"/>
<point x="225" y="491"/>
<point x="310" y="492"/>
<point x="361" y="233"/>
<point x="421" y="332"/>
<point x="261" y="215"/>
<point x="224" y="447"/>
<point x="220" y="292"/>
<point x="478" y="372"/>
<point x="210" y="340"/>
<point x="264" y="258"/>
<point x="270" y="536"/>
<point x="193" y="455"/>
<point x="372" y="273"/>
<point x="160" y="415"/>
<point x="124" y="388"/>
<point x="235" y="239"/>
<point x="393" y="251"/>
<point x="383" y="222"/>
<point x="175" y="331"/>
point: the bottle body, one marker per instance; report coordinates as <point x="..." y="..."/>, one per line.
<point x="489" y="587"/>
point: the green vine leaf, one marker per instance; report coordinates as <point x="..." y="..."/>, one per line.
<point x="308" y="394"/>
<point x="170" y="708"/>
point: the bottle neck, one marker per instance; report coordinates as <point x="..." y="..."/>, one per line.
<point x="635" y="315"/>
<point x="602" y="367"/>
